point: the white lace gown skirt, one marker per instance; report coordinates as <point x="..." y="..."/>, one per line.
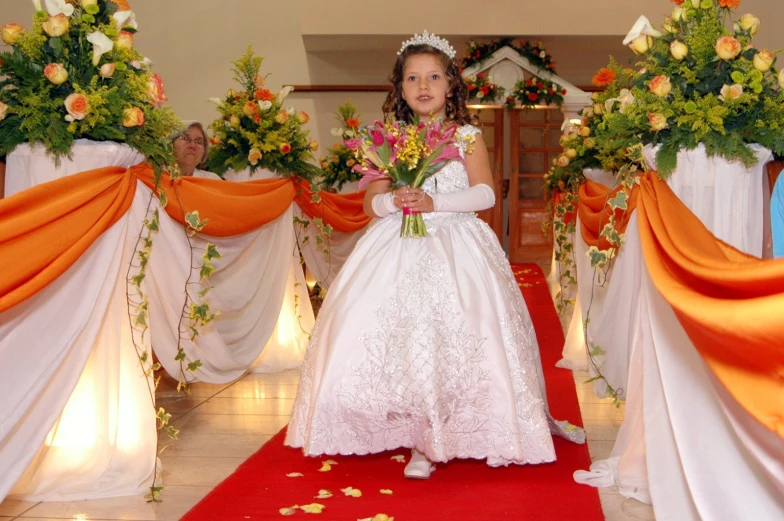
<point x="424" y="343"/>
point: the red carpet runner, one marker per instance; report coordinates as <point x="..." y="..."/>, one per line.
<point x="460" y="491"/>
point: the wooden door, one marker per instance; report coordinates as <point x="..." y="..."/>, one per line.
<point x="491" y="120"/>
<point x="534" y="143"/>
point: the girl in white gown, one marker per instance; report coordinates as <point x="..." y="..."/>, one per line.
<point x="426" y="343"/>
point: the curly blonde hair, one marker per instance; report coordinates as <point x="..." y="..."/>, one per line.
<point x="457" y="96"/>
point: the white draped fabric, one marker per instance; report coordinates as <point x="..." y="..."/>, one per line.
<point x="289" y="339"/>
<point x="76" y="416"/>
<point x="683" y="437"/>
<point x="77" y="419"/>
<point x="326" y="266"/>
<point x="28" y="166"/>
<point x="250" y="285"/>
<point x="601" y="300"/>
<point x="727" y="197"/>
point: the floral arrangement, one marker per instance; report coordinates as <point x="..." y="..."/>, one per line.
<point x="255" y="131"/>
<point x="535" y="91"/>
<point x="75" y="74"/>
<point x="406" y="154"/>
<point x="534" y="52"/>
<point x="482" y="88"/>
<point x="337" y="166"/>
<point x="699" y="82"/>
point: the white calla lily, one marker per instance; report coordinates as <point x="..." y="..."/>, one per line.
<point x="101" y="45"/>
<point x="217" y="101"/>
<point x="284" y="92"/>
<point x="265" y="104"/>
<point x="37" y="5"/>
<point x="336" y="132"/>
<point x="641" y="27"/>
<point x="55" y="7"/>
<point x="125" y="19"/>
<point x="625" y="97"/>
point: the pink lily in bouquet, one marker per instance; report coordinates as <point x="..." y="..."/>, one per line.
<point x="406" y="154"/>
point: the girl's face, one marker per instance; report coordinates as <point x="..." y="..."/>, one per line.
<point x="425" y="86"/>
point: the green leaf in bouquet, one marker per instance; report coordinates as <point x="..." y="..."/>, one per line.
<point x="56" y="45"/>
<point x="666" y="158"/>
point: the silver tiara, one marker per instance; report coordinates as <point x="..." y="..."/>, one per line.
<point x="432" y="40"/>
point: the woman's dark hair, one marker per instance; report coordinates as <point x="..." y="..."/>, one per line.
<point x="457" y="94"/>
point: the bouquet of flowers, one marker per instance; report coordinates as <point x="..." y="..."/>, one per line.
<point x="255" y="131"/>
<point x="535" y="91"/>
<point x="337" y="166"/>
<point x="699" y="82"/>
<point x="75" y="74"/>
<point x="406" y="154"/>
<point x="481" y="87"/>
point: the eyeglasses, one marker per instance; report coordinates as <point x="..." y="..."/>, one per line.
<point x="188" y="140"/>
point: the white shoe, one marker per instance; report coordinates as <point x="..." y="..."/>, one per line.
<point x="419" y="467"/>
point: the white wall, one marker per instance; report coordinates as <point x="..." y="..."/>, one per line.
<point x="192" y="42"/>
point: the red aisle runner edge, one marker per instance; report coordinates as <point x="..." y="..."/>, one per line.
<point x="463" y="490"/>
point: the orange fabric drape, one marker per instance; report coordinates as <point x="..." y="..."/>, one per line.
<point x="231" y="208"/>
<point x="341" y="211"/>
<point x="730" y="304"/>
<point x="45" y="229"/>
<point x="595" y="214"/>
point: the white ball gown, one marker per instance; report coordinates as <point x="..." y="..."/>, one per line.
<point x="426" y="343"/>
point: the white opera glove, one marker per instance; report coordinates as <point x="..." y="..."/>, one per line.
<point x="383" y="204"/>
<point x="473" y="199"/>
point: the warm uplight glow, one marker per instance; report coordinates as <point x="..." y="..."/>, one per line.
<point x="575" y="121"/>
<point x="288" y="325"/>
<point x="310" y="280"/>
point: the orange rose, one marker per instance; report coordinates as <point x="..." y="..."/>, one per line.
<point x="133" y="117"/>
<point x="727" y="47"/>
<point x="679" y="2"/>
<point x="124" y="40"/>
<point x="250" y="108"/>
<point x="763" y="60"/>
<point x="56" y="73"/>
<point x="285" y="148"/>
<point x="353" y="123"/>
<point x="77" y="106"/>
<point x="303" y="117"/>
<point x="749" y="23"/>
<point x="657" y="121"/>
<point x="107" y="70"/>
<point x="660" y="85"/>
<point x="258" y="81"/>
<point x="729" y="4"/>
<point x="3" y="110"/>
<point x="603" y="78"/>
<point x="314" y="146"/>
<point x="155" y="91"/>
<point x="254" y="156"/>
<point x="11" y="33"/>
<point x="56" y="25"/>
<point x="282" y="117"/>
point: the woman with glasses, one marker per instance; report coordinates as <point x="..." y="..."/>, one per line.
<point x="190" y="150"/>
